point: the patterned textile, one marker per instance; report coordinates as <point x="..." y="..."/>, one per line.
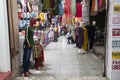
<point x="37" y="51"/>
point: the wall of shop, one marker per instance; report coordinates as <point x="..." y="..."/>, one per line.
<point x="4" y="40"/>
<point x="113" y="41"/>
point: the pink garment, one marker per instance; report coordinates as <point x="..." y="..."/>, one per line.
<point x="99" y="4"/>
<point x="67" y="9"/>
<point x="78" y="9"/>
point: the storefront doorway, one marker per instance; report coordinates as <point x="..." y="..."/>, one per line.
<point x="15" y="46"/>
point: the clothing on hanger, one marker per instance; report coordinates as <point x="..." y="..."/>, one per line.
<point x="60" y="8"/>
<point x="52" y="3"/>
<point x="73" y="7"/>
<point x="78" y="9"/>
<point x="67" y="9"/>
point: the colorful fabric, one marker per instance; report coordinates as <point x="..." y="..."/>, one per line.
<point x="41" y="16"/>
<point x="37" y="51"/>
<point x="99" y="4"/>
<point x="78" y="9"/>
<point x="93" y="5"/>
<point x="67" y="9"/>
<point x="46" y="4"/>
<point x="56" y="10"/>
<point x="60" y="8"/>
<point x="73" y="7"/>
<point x="52" y="3"/>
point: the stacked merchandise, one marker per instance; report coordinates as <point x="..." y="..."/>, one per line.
<point x="25" y="12"/>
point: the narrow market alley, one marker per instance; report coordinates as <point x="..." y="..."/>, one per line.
<point x="62" y="60"/>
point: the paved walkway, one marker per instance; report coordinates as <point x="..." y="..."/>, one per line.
<point x="63" y="60"/>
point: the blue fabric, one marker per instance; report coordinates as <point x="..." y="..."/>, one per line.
<point x="23" y="23"/>
<point x="26" y="59"/>
<point x="32" y="14"/>
<point x="60" y="8"/>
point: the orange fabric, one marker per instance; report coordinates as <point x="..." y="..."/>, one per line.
<point x="93" y="5"/>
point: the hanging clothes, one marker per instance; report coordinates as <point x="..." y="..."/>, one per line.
<point x="78" y="9"/>
<point x="94" y="8"/>
<point x="103" y="4"/>
<point x="64" y="18"/>
<point x="60" y="8"/>
<point x="52" y="3"/>
<point x="67" y="9"/>
<point x="99" y="4"/>
<point x="46" y="4"/>
<point x="85" y="40"/>
<point x="96" y="5"/>
<point x="56" y="11"/>
<point x="73" y="7"/>
<point x="41" y="16"/>
<point x="45" y="16"/>
<point x="93" y="5"/>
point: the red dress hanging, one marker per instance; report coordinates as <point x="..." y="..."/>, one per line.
<point x="67" y="10"/>
<point x="78" y="9"/>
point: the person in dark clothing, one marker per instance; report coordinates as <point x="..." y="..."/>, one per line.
<point x="28" y="44"/>
<point x="92" y="35"/>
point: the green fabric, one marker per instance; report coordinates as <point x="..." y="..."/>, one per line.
<point x="73" y="7"/>
<point x="56" y="8"/>
<point x="46" y="4"/>
<point x="30" y="37"/>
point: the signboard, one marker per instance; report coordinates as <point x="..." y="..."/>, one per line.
<point x="116" y="20"/>
<point x="116" y="8"/>
<point x="115" y="43"/>
<point x="113" y="64"/>
<point x="115" y="55"/>
<point x="116" y="65"/>
<point x="116" y="32"/>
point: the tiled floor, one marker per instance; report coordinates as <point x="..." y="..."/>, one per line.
<point x="63" y="60"/>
